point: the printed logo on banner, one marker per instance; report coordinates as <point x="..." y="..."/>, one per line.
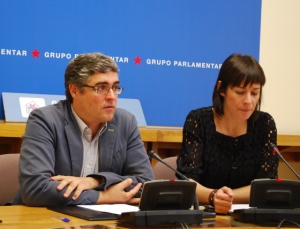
<point x="29" y="104"/>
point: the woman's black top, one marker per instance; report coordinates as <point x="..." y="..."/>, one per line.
<point x="216" y="160"/>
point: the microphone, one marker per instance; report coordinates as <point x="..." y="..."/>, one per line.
<point x="276" y="151"/>
<point x="155" y="156"/>
<point x="159" y="216"/>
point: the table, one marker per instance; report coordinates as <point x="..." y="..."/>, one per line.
<point x="36" y="218"/>
<point x="22" y="217"/>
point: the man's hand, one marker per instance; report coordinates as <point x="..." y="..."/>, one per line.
<point x="78" y="184"/>
<point x="223" y="200"/>
<point x="117" y="194"/>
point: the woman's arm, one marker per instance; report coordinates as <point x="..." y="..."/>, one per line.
<point x="223" y="198"/>
<point x="241" y="195"/>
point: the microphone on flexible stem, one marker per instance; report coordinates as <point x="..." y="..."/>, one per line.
<point x="154" y="155"/>
<point x="275" y="150"/>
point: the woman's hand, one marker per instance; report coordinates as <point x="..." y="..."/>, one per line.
<point x="223" y="200"/>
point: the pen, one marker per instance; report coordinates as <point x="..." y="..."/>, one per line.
<point x="61" y="218"/>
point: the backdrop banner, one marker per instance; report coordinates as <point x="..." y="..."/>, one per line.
<point x="169" y="52"/>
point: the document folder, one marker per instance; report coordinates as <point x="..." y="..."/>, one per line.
<point x="84" y="213"/>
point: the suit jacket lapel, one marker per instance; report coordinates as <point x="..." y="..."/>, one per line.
<point x="107" y="147"/>
<point x="74" y="141"/>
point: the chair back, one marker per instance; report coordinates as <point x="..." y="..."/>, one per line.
<point x="9" y="170"/>
<point x="163" y="172"/>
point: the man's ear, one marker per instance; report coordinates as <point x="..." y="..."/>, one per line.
<point x="73" y="89"/>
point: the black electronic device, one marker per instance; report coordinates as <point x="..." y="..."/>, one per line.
<point x="272" y="200"/>
<point x="155" y="156"/>
<point x="167" y="195"/>
<point x="275" y="194"/>
<point x="165" y="202"/>
<point x="264" y="215"/>
<point x="84" y="213"/>
<point x="161" y="217"/>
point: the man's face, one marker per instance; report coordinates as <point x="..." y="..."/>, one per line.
<point x="94" y="108"/>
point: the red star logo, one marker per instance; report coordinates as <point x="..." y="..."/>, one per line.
<point x="32" y="106"/>
<point x="35" y="53"/>
<point x="137" y="60"/>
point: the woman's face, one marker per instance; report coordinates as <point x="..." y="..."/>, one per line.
<point x="240" y="101"/>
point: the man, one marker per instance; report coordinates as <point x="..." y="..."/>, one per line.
<point x="83" y="150"/>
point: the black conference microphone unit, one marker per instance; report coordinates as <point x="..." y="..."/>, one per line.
<point x="272" y="200"/>
<point x="276" y="150"/>
<point x="164" y="216"/>
<point x="154" y="155"/>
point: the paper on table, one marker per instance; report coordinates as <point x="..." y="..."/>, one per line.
<point x="112" y="208"/>
<point x="239" y="206"/>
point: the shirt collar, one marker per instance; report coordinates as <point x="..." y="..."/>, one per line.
<point x="83" y="126"/>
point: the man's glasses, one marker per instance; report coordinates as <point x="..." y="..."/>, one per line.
<point x="104" y="89"/>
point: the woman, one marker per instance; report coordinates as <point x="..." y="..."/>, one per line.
<point x="227" y="145"/>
